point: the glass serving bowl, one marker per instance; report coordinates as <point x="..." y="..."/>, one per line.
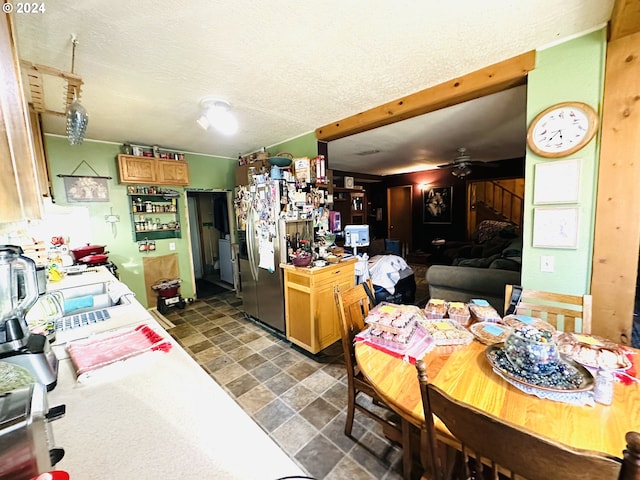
<point x="532" y="350"/>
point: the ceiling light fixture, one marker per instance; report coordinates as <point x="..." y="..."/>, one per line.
<point x="77" y="117"/>
<point x="217" y="114"/>
<point x="461" y="171"/>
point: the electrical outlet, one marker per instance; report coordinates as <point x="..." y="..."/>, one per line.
<point x="547" y="263"/>
<point x="172" y="246"/>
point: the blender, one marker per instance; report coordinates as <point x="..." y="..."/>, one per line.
<point x="18" y="293"/>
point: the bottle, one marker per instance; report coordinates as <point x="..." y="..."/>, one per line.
<point x="603" y="390"/>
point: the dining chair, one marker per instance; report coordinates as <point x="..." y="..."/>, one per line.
<point x="568" y="313"/>
<point x="353" y="307"/>
<point x="501" y="448"/>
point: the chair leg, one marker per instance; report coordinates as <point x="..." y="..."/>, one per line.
<point x="351" y="407"/>
<point x="407" y="459"/>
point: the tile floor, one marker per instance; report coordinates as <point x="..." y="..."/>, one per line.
<point x="298" y="400"/>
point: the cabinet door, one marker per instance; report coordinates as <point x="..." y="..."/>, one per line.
<point x="172" y="172"/>
<point x="44" y="179"/>
<point x="326" y="310"/>
<point x="19" y="194"/>
<point x="136" y="169"/>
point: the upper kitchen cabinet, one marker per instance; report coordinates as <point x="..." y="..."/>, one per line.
<point x="151" y="170"/>
<point x="20" y="195"/>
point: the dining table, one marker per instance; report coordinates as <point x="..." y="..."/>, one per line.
<point x="465" y="373"/>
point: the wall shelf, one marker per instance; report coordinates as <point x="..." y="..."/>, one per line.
<point x="154" y="216"/>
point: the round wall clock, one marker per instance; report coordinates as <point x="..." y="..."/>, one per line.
<point x="562" y="129"/>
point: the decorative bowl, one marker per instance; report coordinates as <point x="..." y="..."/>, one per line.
<point x="532" y="350"/>
<point x="329" y="238"/>
<point x="280" y="161"/>
<point x="302" y="260"/>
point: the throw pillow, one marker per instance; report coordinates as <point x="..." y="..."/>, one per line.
<point x="506" y="264"/>
<point x="478" y="262"/>
<point x="488" y="229"/>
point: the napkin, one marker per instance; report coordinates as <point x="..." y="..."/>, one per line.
<point x="97" y="352"/>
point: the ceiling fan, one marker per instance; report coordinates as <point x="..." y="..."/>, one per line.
<point x="462" y="164"/>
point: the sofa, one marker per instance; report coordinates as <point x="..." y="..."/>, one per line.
<point x="455" y="283"/>
<point x="481" y="268"/>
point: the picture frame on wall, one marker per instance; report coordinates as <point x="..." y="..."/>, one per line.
<point x="557" y="182"/>
<point x="555" y="227"/>
<point x="437" y="205"/>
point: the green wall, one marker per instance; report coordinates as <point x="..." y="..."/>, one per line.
<point x="571" y="71"/>
<point x="303" y="146"/>
<point x="205" y="172"/>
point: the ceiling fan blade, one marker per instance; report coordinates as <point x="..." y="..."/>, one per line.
<point x="447" y="165"/>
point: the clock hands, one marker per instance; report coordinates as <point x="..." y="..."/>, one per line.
<point x="559" y="131"/>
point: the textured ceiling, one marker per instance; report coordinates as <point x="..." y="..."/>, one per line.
<point x="286" y="67"/>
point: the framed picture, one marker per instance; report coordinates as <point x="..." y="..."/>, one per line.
<point x="437" y="205"/>
<point x="557" y="182"/>
<point x="86" y="189"/>
<point x="555" y="227"/>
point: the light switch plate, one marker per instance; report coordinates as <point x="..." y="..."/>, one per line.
<point x="172" y="246"/>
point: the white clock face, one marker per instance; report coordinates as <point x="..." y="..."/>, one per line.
<point x="560" y="130"/>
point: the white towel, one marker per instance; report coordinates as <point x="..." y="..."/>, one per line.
<point x="385" y="272"/>
<point x="117" y="290"/>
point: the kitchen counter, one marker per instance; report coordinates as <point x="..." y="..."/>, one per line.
<point x="159" y="415"/>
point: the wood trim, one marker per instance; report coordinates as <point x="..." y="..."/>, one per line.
<point x="617" y="230"/>
<point x="625" y="19"/>
<point x="487" y="80"/>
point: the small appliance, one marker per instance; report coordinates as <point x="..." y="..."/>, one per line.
<point x="18" y="293"/>
<point x="168" y="295"/>
<point x="335" y="224"/>
<point x="26" y="438"/>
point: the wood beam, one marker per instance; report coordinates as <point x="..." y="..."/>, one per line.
<point x="617" y="230"/>
<point x="625" y="19"/>
<point x="487" y="80"/>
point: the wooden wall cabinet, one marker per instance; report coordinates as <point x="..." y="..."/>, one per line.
<point x="20" y="195"/>
<point x="151" y="170"/>
<point x="311" y="313"/>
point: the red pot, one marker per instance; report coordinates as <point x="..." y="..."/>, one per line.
<point x="80" y="252"/>
<point x="169" y="292"/>
<point x="94" y="259"/>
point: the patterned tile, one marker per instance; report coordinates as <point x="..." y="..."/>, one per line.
<point x="298" y="399"/>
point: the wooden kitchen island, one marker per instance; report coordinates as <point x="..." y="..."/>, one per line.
<point x="310" y="309"/>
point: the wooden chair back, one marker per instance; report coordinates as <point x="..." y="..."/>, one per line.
<point x="512" y="451"/>
<point x="568" y="313"/>
<point x="353" y="307"/>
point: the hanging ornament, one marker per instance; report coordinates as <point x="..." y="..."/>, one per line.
<point x="77" y="117"/>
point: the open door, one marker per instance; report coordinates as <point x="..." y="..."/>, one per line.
<point x="399" y="225"/>
<point x="211" y="232"/>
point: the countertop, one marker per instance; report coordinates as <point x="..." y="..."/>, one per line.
<point x="161" y="416"/>
<point x="313" y="269"/>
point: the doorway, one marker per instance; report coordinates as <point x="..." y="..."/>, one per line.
<point x="211" y="241"/>
<point x="399" y="208"/>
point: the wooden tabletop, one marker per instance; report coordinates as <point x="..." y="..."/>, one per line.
<point x="465" y="373"/>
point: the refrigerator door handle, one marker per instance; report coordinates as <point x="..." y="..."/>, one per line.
<point x="250" y="248"/>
